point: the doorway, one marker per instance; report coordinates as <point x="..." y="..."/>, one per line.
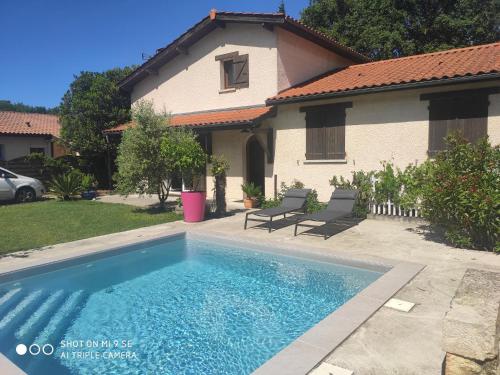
<point x="256" y="163"/>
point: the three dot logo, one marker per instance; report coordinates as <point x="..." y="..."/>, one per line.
<point x="34" y="349"/>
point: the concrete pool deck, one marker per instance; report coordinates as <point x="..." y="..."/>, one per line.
<point x="390" y="341"/>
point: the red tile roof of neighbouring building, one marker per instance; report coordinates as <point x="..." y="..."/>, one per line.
<point x="241" y="116"/>
<point x="29" y="123"/>
<point x="455" y="63"/>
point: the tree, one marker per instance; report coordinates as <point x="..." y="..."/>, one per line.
<point x="186" y="155"/>
<point x="92" y="104"/>
<point x="142" y="167"/>
<point x="387" y="28"/>
<point x="7" y="105"/>
<point x="281" y="7"/>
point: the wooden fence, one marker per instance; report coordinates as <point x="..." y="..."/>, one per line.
<point x="23" y="167"/>
<point x="390" y="209"/>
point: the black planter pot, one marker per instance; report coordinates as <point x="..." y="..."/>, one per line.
<point x="89" y="194"/>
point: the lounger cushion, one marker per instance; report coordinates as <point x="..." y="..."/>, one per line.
<point x="273" y="211"/>
<point x="295" y="198"/>
<point x="324" y="216"/>
<point x="344" y="194"/>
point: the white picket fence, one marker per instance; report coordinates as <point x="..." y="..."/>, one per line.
<point x="390" y="209"/>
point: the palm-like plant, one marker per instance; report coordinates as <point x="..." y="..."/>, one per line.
<point x="251" y="190"/>
<point x="66" y="186"/>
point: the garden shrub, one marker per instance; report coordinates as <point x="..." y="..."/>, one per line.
<point x="312" y="202"/>
<point x="67" y="186"/>
<point x="361" y="181"/>
<point x="387" y="184"/>
<point x="462" y="193"/>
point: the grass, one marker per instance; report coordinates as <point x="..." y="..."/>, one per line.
<point x="32" y="225"/>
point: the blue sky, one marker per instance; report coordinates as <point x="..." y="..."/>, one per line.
<point x="43" y="43"/>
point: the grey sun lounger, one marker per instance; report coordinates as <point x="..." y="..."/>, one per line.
<point x="293" y="201"/>
<point x="340" y="206"/>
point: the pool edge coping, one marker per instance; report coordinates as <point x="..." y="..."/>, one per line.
<point x="310" y="349"/>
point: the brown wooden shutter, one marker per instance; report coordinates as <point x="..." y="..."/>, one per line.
<point x="270" y="145"/>
<point x="335" y="133"/>
<point x="315" y="135"/>
<point x="240" y="68"/>
<point x="441" y="121"/>
<point x="473" y="117"/>
<point x="467" y="115"/>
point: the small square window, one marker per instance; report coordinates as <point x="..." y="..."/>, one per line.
<point x="228" y="74"/>
<point x="234" y="70"/>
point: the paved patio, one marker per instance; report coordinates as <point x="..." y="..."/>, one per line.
<point x="390" y="342"/>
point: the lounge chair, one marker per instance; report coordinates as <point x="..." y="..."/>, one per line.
<point x="340" y="206"/>
<point x="293" y="201"/>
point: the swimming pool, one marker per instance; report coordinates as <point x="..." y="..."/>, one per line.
<point x="174" y="306"/>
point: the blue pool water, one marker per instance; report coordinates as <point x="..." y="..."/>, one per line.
<point x="176" y="306"/>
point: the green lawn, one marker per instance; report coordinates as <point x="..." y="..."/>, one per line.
<point x="32" y="225"/>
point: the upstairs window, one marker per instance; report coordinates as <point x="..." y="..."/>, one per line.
<point x="464" y="112"/>
<point x="234" y="70"/>
<point x="325" y="131"/>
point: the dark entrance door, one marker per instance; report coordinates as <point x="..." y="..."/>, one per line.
<point x="255" y="163"/>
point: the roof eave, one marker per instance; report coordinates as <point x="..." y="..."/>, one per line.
<point x="218" y="19"/>
<point x="377" y="89"/>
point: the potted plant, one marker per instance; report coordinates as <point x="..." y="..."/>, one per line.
<point x="88" y="185"/>
<point x="252" y="193"/>
<point x="188" y="158"/>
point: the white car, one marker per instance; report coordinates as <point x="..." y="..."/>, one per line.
<point x="20" y="188"/>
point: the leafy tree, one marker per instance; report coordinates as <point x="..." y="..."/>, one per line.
<point x="281" y="7"/>
<point x="92" y="104"/>
<point x="6" y="105"/>
<point x="186" y="155"/>
<point x="392" y="28"/>
<point x="142" y="167"/>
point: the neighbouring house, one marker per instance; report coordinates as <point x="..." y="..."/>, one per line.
<point x="22" y="134"/>
<point x="282" y="101"/>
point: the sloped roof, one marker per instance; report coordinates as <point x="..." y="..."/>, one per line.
<point x="241" y="116"/>
<point x="217" y="19"/>
<point x="29" y="123"/>
<point x="454" y="63"/>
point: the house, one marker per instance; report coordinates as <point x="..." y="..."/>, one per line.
<point x="22" y="134"/>
<point x="282" y="101"/>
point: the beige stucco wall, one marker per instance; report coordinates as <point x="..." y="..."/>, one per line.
<point x="232" y="145"/>
<point x="15" y="146"/>
<point x="389" y="126"/>
<point x="191" y="83"/>
<point x="300" y="59"/>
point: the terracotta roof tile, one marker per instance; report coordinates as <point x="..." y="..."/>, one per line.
<point x="470" y="61"/>
<point x="29" y="123"/>
<point x="212" y="118"/>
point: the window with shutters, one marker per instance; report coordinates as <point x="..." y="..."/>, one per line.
<point x="464" y="114"/>
<point x="325" y="131"/>
<point x="234" y="70"/>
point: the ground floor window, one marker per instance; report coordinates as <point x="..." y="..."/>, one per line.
<point x="2" y="152"/>
<point x="465" y="112"/>
<point x="325" y="131"/>
<point x="37" y="150"/>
